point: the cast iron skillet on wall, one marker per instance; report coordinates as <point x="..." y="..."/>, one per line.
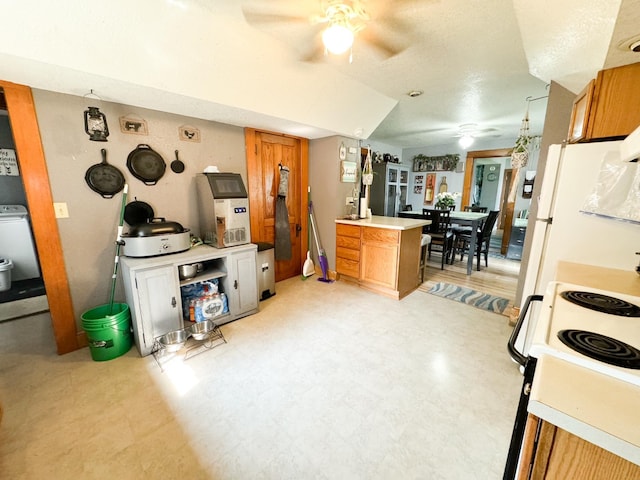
<point x="146" y="164"/>
<point x="103" y="178"/>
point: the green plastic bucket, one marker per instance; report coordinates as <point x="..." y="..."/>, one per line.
<point x="109" y="334"/>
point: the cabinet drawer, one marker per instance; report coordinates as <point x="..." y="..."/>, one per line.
<point x="347" y="230"/>
<point x="381" y="235"/>
<point x="348" y="253"/>
<point x="348" y="242"/>
<point x="348" y="267"/>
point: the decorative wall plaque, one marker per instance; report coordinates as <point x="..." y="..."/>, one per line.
<point x="442" y="163"/>
<point x="188" y="133"/>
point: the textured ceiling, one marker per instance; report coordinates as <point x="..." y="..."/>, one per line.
<point x="473" y="59"/>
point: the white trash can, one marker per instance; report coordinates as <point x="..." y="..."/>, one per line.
<point x="5" y="274"/>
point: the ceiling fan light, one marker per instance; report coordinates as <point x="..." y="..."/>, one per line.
<point x="466" y="141"/>
<point x="337" y="39"/>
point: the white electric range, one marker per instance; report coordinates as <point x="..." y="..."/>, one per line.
<point x="581" y="392"/>
<point x="622" y="330"/>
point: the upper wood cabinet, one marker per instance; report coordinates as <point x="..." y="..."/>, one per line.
<point x="608" y="107"/>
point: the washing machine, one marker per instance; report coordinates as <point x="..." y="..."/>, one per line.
<point x="16" y="242"/>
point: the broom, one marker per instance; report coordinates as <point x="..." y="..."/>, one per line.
<point x="322" y="257"/>
<point x="308" y="268"/>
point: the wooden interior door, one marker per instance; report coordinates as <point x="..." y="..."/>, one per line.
<point x="266" y="152"/>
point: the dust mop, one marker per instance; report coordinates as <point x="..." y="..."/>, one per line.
<point x="322" y="257"/>
<point x="308" y="268"/>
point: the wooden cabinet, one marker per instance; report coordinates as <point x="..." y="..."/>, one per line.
<point x="551" y="453"/>
<point x="608" y="107"/>
<point x="152" y="288"/>
<point x="385" y="260"/>
<point x="380" y="257"/>
<point x="348" y="250"/>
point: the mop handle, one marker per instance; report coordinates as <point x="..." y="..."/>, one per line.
<point x="114" y="276"/>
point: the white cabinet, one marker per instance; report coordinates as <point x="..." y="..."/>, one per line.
<point x="243" y="276"/>
<point x="389" y="190"/>
<point x="152" y="288"/>
<point x="156" y="302"/>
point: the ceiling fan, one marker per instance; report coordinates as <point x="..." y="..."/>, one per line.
<point x="468" y="132"/>
<point x="335" y="25"/>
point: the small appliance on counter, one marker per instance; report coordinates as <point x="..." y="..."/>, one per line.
<point x="149" y="236"/>
<point x="223" y="206"/>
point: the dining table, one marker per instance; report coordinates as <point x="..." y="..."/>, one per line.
<point x="473" y="219"/>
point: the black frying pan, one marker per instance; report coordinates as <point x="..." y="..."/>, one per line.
<point x="177" y="165"/>
<point x="137" y="212"/>
<point x="146" y="164"/>
<point x="103" y="178"/>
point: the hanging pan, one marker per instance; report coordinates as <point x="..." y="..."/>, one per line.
<point x="146" y="164"/>
<point x="103" y="178"/>
<point x="138" y="212"/>
<point x="177" y="165"/>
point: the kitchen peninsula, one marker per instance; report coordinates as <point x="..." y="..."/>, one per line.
<point x="379" y="253"/>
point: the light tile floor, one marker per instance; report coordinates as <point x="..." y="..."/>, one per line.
<point x="328" y="381"/>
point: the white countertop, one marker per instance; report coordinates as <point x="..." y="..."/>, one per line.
<point x="393" y="223"/>
<point x="588" y="404"/>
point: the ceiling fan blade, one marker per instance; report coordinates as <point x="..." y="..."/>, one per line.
<point x="253" y="17"/>
<point x="374" y="37"/>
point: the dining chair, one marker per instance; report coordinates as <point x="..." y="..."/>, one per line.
<point x="440" y="233"/>
<point x="483" y="239"/>
<point x="475" y="208"/>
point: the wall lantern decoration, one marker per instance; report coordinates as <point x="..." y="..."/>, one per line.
<point x="95" y="124"/>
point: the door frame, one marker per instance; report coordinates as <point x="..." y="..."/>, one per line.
<point x="33" y="168"/>
<point x="466" y="188"/>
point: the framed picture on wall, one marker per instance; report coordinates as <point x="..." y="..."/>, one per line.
<point x="348" y="171"/>
<point x="429" y="188"/>
<point x="419" y="179"/>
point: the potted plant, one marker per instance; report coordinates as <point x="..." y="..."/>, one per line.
<point x="446" y="200"/>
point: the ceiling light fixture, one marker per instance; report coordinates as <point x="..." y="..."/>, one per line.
<point x="415" y="93"/>
<point x="337" y="38"/>
<point x="466" y="141"/>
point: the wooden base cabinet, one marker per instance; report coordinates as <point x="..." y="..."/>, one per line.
<point x="551" y="453"/>
<point x="152" y="288"/>
<point x="384" y="260"/>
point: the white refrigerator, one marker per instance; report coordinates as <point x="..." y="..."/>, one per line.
<point x="561" y="231"/>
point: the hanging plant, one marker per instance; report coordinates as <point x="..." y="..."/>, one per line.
<point x="367" y="170"/>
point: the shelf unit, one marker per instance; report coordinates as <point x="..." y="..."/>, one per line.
<point x="152" y="288"/>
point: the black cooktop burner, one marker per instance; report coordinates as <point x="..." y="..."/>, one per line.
<point x="602" y="303"/>
<point x="600" y="347"/>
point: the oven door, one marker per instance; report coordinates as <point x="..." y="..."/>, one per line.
<point x="529" y="365"/>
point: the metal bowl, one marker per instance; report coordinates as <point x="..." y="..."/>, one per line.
<point x="175" y="340"/>
<point x="200" y="330"/>
<point x="187" y="272"/>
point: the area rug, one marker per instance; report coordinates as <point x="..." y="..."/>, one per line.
<point x="471" y="297"/>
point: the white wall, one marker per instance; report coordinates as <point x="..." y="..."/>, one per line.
<point x="455" y="180"/>
<point x="88" y="235"/>
<point x="328" y="192"/>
